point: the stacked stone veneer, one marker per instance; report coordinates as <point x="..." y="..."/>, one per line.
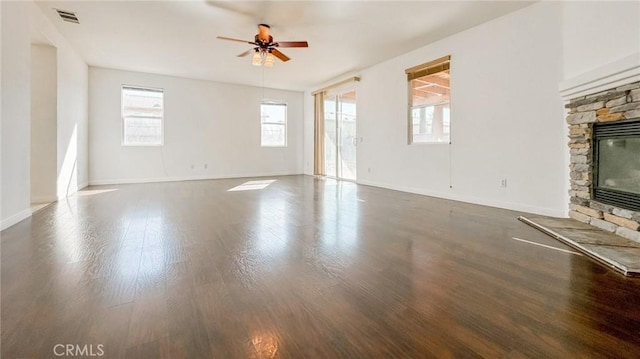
<point x="616" y="104"/>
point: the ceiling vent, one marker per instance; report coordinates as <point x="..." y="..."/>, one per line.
<point x="68" y="16"/>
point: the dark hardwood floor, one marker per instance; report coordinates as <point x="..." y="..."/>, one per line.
<point x="302" y="268"/>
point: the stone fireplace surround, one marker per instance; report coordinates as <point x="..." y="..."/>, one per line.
<point x="614" y="104"/>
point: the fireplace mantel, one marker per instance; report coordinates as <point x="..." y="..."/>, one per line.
<point x="623" y="71"/>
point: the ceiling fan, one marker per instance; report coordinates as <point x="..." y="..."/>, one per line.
<point x="265" y="48"/>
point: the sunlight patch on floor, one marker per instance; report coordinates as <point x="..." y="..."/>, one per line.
<point x="91" y="192"/>
<point x="252" y="185"/>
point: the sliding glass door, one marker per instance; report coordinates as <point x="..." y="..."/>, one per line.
<point x="340" y="138"/>
<point x="347" y="135"/>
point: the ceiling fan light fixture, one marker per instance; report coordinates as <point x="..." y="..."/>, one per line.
<point x="256" y="60"/>
<point x="269" y="60"/>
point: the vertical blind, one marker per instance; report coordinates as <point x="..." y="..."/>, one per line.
<point x="318" y="139"/>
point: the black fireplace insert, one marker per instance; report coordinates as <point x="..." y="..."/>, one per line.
<point x="616" y="163"/>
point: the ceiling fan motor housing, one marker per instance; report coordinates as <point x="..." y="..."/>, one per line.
<point x="263" y="35"/>
<point x="263" y="43"/>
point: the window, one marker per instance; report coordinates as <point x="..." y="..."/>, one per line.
<point x="429" y="113"/>
<point x="142" y="116"/>
<point x="273" y="118"/>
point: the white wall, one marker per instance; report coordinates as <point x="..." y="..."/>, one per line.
<point x="1" y="217"/>
<point x="22" y="24"/>
<point x="72" y="116"/>
<point x="43" y="123"/>
<point x="15" y="112"/>
<point x="507" y="118"/>
<point x="596" y="33"/>
<point x="205" y="123"/>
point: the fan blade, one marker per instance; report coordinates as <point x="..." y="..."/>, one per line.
<point x="280" y="55"/>
<point x="236" y="40"/>
<point x="246" y="53"/>
<point x="292" y="44"/>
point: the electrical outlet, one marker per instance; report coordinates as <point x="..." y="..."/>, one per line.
<point x="369" y="169"/>
<point x="206" y="165"/>
<point x="503" y="183"/>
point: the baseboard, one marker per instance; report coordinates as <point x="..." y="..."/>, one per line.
<point x="43" y="199"/>
<point x="468" y="199"/>
<point x="187" y="178"/>
<point x="16" y="218"/>
<point x="82" y="185"/>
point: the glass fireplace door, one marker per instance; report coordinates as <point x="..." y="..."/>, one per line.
<point x="619" y="164"/>
<point x="616" y="165"/>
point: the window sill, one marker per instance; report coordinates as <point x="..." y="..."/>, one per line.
<point x="429" y="143"/>
<point x="137" y="145"/>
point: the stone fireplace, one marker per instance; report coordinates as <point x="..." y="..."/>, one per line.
<point x="605" y="160"/>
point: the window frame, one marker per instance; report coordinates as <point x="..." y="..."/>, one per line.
<point x="123" y="142"/>
<point x="426" y="69"/>
<point x="285" y="124"/>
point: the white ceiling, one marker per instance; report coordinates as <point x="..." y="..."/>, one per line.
<point x="179" y="37"/>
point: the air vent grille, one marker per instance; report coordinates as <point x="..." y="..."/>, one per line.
<point x="68" y="16"/>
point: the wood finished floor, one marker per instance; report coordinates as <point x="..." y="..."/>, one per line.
<point x="302" y="268"/>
